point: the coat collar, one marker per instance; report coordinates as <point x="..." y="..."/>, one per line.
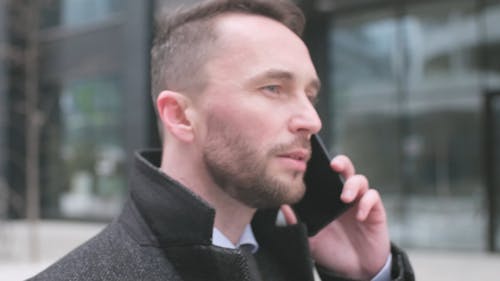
<point x="165" y="214"/>
<point x="175" y="215"/>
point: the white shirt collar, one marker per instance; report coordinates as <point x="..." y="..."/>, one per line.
<point x="247" y="238"/>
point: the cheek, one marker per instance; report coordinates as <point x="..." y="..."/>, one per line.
<point x="251" y="117"/>
<point x="248" y="120"/>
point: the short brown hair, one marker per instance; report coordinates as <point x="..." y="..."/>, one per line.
<point x="183" y="42"/>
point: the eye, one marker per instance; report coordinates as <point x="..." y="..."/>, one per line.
<point x="275" y="89"/>
<point x="313" y="99"/>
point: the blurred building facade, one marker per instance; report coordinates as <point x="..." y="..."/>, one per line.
<point x="410" y="86"/>
<point x="90" y="110"/>
<point x="409" y="94"/>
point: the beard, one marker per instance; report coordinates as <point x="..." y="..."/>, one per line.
<point x="241" y="170"/>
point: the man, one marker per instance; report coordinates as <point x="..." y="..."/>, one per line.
<point x="234" y="88"/>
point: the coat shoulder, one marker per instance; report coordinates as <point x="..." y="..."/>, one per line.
<point x="111" y="255"/>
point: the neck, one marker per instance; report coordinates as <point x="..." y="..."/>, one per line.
<point x="231" y="216"/>
<point x="231" y="219"/>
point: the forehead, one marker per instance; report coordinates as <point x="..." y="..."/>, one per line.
<point x="239" y="27"/>
<point x="252" y="43"/>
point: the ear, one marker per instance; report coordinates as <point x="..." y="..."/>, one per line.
<point x="173" y="110"/>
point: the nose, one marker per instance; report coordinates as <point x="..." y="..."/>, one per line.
<point x="305" y="118"/>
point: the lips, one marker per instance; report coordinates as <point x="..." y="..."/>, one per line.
<point x="295" y="159"/>
<point x="298" y="155"/>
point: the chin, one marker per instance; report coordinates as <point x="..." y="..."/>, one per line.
<point x="295" y="198"/>
<point x="294" y="193"/>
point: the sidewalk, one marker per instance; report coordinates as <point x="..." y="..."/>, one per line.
<point x="455" y="266"/>
<point x="20" y="271"/>
<point x="57" y="238"/>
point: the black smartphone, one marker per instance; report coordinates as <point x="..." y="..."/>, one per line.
<point x="321" y="203"/>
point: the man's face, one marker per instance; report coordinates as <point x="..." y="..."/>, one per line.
<point x="257" y="111"/>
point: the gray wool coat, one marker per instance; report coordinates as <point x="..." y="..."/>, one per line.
<point x="165" y="233"/>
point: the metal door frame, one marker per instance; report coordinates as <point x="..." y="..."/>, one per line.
<point x="490" y="166"/>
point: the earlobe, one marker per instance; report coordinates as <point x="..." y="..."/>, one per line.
<point x="173" y="110"/>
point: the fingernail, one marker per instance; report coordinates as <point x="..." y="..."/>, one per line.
<point x="337" y="165"/>
<point x="348" y="194"/>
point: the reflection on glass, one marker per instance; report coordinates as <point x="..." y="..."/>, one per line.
<point x="78" y="12"/>
<point x="442" y="52"/>
<point x="413" y="125"/>
<point x="444" y="105"/>
<point x="366" y="62"/>
<point x="365" y="49"/>
<point x="365" y="58"/>
<point x="73" y="13"/>
<point x="491" y="45"/>
<point x="92" y="149"/>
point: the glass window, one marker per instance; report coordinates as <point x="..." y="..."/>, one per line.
<point x="365" y="49"/>
<point x="365" y="118"/>
<point x="442" y="53"/>
<point x="91" y="149"/>
<point x="364" y="102"/>
<point x="444" y="105"/>
<point x="491" y="45"/>
<point x="406" y="107"/>
<point x="78" y="12"/>
<point x="72" y="13"/>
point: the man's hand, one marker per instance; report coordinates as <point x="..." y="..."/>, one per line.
<point x="356" y="245"/>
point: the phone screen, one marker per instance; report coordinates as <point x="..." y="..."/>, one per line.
<point x="321" y="203"/>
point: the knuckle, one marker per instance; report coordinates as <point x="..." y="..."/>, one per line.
<point x="374" y="193"/>
<point x="362" y="180"/>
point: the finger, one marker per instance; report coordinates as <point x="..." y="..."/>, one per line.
<point x="289" y="214"/>
<point x="368" y="203"/>
<point x="343" y="165"/>
<point x="354" y="188"/>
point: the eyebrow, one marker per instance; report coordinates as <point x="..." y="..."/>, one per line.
<point x="315" y="84"/>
